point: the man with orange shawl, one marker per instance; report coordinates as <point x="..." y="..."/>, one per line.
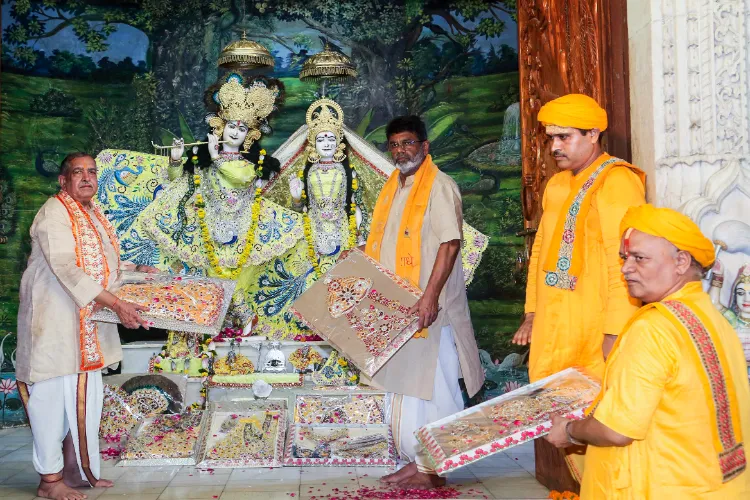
<point x="416" y="233"/>
<point x="675" y="401"/>
<point x="75" y="258"/>
<point x="576" y="299"/>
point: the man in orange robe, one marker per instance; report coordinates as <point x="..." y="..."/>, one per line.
<point x="576" y="300"/>
<point x="675" y="401"/>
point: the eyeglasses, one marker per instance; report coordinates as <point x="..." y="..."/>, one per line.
<point x="403" y="144"/>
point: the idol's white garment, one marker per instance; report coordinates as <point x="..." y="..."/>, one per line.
<point x="53" y="410"/>
<point x="408" y="414"/>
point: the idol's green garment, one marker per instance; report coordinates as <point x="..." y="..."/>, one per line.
<point x="153" y="208"/>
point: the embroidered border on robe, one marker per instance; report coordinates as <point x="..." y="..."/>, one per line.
<point x="560" y="278"/>
<point x="91" y="259"/>
<point x="732" y="460"/>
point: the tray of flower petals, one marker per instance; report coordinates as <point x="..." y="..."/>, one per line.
<point x="194" y="304"/>
<point x="163" y="440"/>
<point x="340" y="445"/>
<point x="243" y="434"/>
<point x="506" y="421"/>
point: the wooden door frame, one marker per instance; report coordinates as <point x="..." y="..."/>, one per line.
<point x="537" y="163"/>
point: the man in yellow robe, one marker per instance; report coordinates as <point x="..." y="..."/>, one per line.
<point x="675" y="401"/>
<point x="576" y="300"/>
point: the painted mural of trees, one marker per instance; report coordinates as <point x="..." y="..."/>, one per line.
<point x="402" y="49"/>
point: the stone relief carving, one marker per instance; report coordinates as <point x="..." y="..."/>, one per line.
<point x="668" y="67"/>
<point x="705" y="98"/>
<point x="730" y="45"/>
<point x="722" y="211"/>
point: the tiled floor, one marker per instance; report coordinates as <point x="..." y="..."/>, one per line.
<point x="507" y="475"/>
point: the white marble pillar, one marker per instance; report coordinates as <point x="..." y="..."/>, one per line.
<point x="689" y="96"/>
<point x="689" y="77"/>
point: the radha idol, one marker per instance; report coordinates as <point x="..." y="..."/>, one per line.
<point x="326" y="189"/>
<point x="210" y="217"/>
<point x="738" y="312"/>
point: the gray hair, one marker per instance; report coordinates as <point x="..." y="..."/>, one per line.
<point x="68" y="160"/>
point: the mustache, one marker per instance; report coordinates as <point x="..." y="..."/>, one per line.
<point x="558" y="153"/>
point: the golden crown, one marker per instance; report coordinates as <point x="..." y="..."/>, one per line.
<point x="325" y="115"/>
<point x="249" y="105"/>
<point x="743" y="276"/>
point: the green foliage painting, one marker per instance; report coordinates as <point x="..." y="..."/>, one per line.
<point x="87" y="75"/>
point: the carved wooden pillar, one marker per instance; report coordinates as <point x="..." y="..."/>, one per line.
<point x="567" y="46"/>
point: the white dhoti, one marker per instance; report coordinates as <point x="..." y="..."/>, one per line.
<point x="408" y="414"/>
<point x="70" y="403"/>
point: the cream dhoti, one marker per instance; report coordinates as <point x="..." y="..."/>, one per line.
<point x="407" y="414"/>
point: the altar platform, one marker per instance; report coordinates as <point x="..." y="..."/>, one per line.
<point x="508" y="475"/>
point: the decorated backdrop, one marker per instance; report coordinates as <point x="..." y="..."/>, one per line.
<point x="88" y="75"/>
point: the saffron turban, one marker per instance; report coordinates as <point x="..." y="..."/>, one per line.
<point x="674" y="227"/>
<point x="574" y="110"/>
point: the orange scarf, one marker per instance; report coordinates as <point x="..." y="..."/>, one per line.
<point x="409" y="243"/>
<point x="91" y="259"/>
<point x="564" y="261"/>
<point x="718" y="387"/>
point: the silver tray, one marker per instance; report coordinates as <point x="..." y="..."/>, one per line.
<point x="211" y="436"/>
<point x="130" y="277"/>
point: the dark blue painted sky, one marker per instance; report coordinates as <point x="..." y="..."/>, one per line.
<point x="130" y="42"/>
<point x="124" y="42"/>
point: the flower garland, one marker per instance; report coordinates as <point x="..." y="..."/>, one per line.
<point x="208" y="243"/>
<point x="352" y="240"/>
<point x="208" y="352"/>
<point x="353" y="212"/>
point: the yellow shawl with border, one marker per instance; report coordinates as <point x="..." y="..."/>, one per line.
<point x="710" y="360"/>
<point x="564" y="261"/>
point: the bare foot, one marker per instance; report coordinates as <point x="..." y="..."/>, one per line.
<point x="401" y="474"/>
<point x="58" y="490"/>
<point x="422" y="481"/>
<point x="72" y="477"/>
<point x="103" y="483"/>
<point x="71" y="473"/>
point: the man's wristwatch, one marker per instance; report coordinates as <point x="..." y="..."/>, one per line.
<point x="570" y="437"/>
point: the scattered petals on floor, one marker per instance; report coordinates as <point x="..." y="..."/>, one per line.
<point x="397" y="493"/>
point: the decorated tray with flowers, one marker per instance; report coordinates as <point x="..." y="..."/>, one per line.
<point x="163" y="440"/>
<point x="128" y="399"/>
<point x="363" y="408"/>
<point x="340" y="445"/>
<point x="194" y="304"/>
<point x="243" y="434"/>
<point x="506" y="421"/>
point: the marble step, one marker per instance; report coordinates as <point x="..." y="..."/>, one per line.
<point x="192" y="393"/>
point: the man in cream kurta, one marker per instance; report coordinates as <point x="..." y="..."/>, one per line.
<point x="423" y="376"/>
<point x="60" y="385"/>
